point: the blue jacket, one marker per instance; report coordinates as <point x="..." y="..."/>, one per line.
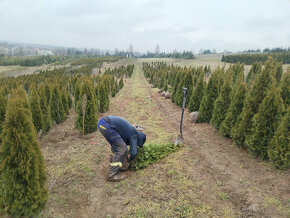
<point x="128" y="133"/>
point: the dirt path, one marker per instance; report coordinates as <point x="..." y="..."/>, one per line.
<point x="209" y="177"/>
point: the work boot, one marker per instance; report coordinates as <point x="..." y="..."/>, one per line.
<point x="117" y="178"/>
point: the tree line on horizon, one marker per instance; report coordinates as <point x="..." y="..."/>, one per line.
<point x="249" y="59"/>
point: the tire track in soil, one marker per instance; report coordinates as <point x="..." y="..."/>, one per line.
<point x="247" y="180"/>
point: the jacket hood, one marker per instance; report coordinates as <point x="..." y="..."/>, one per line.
<point x="141" y="138"/>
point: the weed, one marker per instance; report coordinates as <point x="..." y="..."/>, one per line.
<point x="223" y="196"/>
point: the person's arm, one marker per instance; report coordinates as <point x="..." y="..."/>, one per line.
<point x="133" y="147"/>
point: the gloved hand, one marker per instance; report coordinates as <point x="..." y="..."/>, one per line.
<point x="126" y="163"/>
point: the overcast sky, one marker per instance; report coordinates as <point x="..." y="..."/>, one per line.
<point x="181" y="24"/>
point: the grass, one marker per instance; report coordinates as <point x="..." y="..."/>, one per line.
<point x="5" y="70"/>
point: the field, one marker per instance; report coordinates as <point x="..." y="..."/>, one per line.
<point x="208" y="177"/>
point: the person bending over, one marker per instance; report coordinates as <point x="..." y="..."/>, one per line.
<point x="120" y="133"/>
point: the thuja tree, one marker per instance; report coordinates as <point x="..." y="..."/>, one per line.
<point x="186" y="82"/>
<point x="197" y="94"/>
<point x="121" y="83"/>
<point x="278" y="150"/>
<point x="234" y="110"/>
<point x="265" y="123"/>
<point x="22" y="171"/>
<point x="3" y="103"/>
<point x="207" y="102"/>
<point x="64" y="100"/>
<point x="254" y="98"/>
<point x="104" y="100"/>
<point x="285" y="88"/>
<point x="177" y="80"/>
<point x="86" y="119"/>
<point x="56" y="108"/>
<point x="222" y="103"/>
<point x="255" y="70"/>
<point x="44" y="108"/>
<point x="35" y="108"/>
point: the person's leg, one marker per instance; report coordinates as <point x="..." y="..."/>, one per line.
<point x="118" y="147"/>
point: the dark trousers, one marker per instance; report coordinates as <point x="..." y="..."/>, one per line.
<point x="118" y="146"/>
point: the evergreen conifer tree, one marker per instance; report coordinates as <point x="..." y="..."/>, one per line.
<point x="86" y="119"/>
<point x="255" y="69"/>
<point x="35" y="108"/>
<point x="44" y="108"/>
<point x="279" y="148"/>
<point x="22" y="171"/>
<point x="285" y="88"/>
<point x="103" y="98"/>
<point x="3" y="104"/>
<point x="261" y="84"/>
<point x="222" y="103"/>
<point x="121" y="84"/>
<point x="207" y="102"/>
<point x="56" y="108"/>
<point x="234" y="111"/>
<point x="64" y="100"/>
<point x="265" y="123"/>
<point x="197" y="94"/>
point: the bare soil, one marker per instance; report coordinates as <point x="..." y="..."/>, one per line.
<point x="208" y="177"/>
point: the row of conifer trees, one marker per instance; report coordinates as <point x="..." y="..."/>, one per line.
<point x="29" y="106"/>
<point x="253" y="111"/>
<point x="249" y="59"/>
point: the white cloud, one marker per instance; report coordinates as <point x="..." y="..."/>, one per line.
<point x="184" y="24"/>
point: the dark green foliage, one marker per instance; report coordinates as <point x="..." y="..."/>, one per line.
<point x="197" y="94"/>
<point x="69" y="100"/>
<point x="35" y="108"/>
<point x="222" y="103"/>
<point x="114" y="90"/>
<point x="44" y="108"/>
<point x="77" y="90"/>
<point x="3" y="103"/>
<point x="22" y="171"/>
<point x="261" y="85"/>
<point x="56" y="108"/>
<point x="150" y="153"/>
<point x="234" y="111"/>
<point x="255" y="69"/>
<point x="285" y="88"/>
<point x="121" y="84"/>
<point x="279" y="148"/>
<point x="104" y="98"/>
<point x="283" y="57"/>
<point x="64" y="100"/>
<point x="87" y="122"/>
<point x="207" y="102"/>
<point x="265" y="123"/>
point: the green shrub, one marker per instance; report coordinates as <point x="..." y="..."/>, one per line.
<point x="234" y="111"/>
<point x="22" y="171"/>
<point x="56" y="108"/>
<point x="3" y="103"/>
<point x="279" y="148"/>
<point x="207" y="102"/>
<point x="104" y="98"/>
<point x="87" y="122"/>
<point x="197" y="94"/>
<point x="150" y="153"/>
<point x="222" y="103"/>
<point x="265" y="123"/>
<point x="35" y="108"/>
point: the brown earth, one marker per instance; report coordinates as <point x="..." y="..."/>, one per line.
<point x="208" y="177"/>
